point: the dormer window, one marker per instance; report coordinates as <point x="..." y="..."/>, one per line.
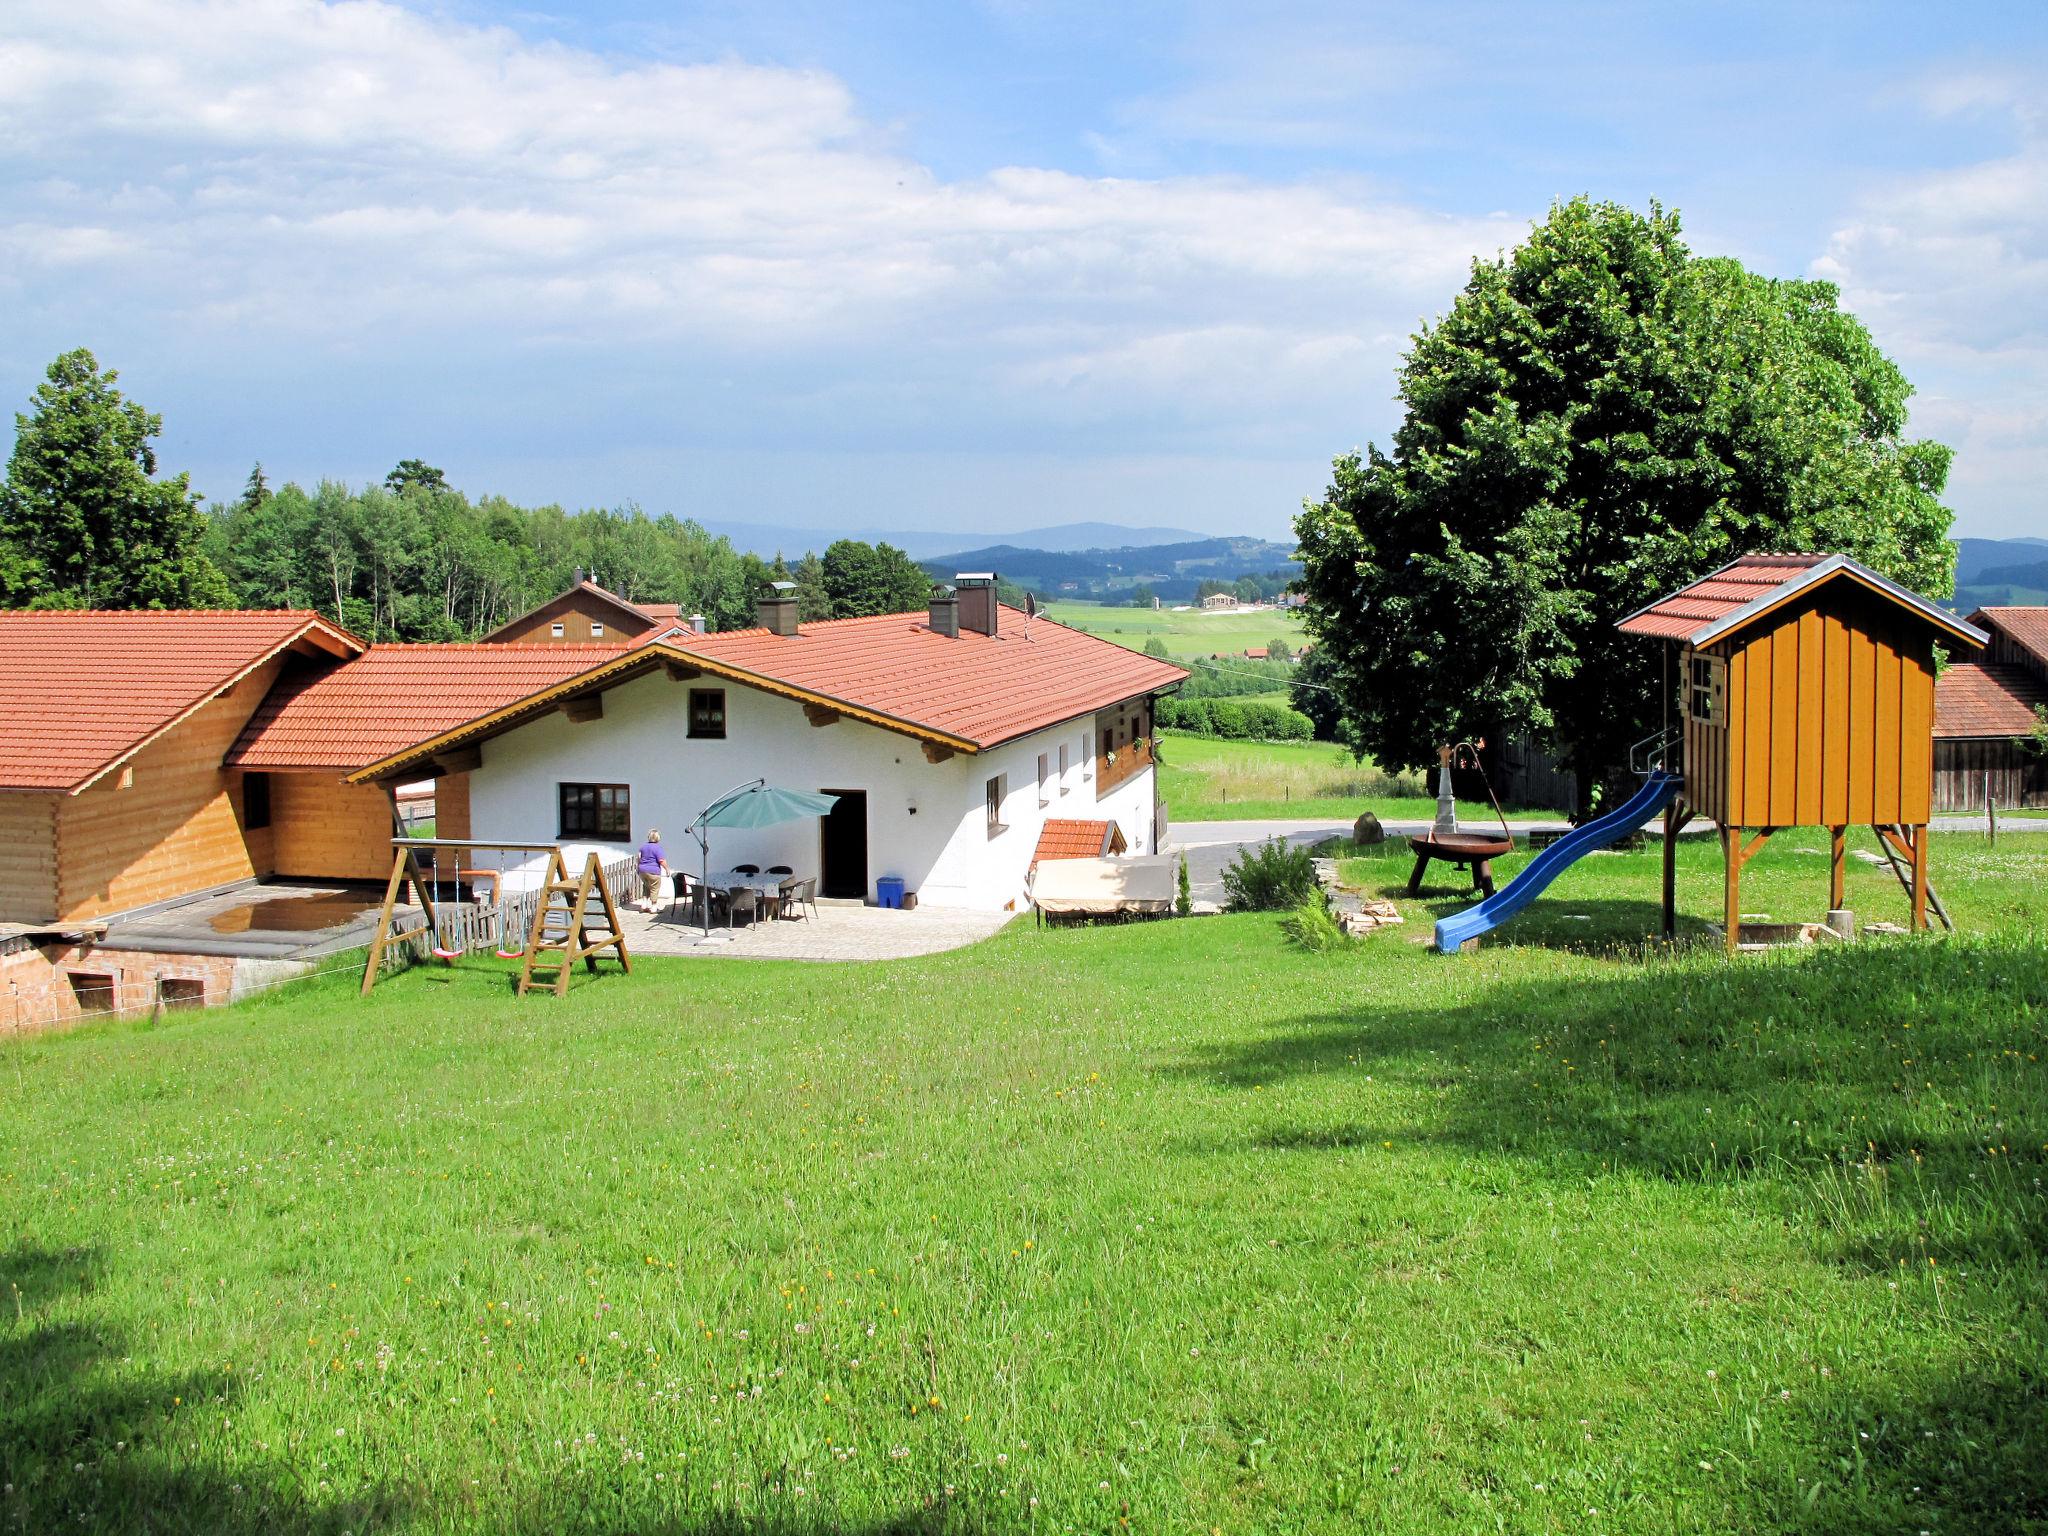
<point x="557" y="630"/>
<point x="596" y="630"/>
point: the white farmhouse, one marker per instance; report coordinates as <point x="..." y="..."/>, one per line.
<point x="950" y="737"/>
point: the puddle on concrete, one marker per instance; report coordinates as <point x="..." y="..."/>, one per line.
<point x="293" y="914"/>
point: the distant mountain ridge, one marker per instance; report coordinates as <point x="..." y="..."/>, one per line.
<point x="1173" y="571"/>
<point x="793" y="541"/>
<point x="2000" y="573"/>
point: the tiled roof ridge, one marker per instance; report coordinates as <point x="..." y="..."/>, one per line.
<point x="183" y="613"/>
<point x="919" y="615"/>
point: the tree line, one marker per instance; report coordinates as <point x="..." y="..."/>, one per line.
<point x="84" y="522"/>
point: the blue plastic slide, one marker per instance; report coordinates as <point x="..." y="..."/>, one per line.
<point x="1536" y="876"/>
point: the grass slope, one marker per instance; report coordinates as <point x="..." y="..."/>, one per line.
<point x="1204" y="778"/>
<point x="1160" y="1227"/>
<point x="1186" y="633"/>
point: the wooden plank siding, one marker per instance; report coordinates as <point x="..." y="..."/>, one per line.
<point x="28" y="857"/>
<point x="1831" y="711"/>
<point x="325" y="828"/>
<point x="2018" y="778"/>
<point x="576" y="612"/>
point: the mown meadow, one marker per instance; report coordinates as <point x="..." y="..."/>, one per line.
<point x="1205" y="778"/>
<point x="1161" y="1227"/>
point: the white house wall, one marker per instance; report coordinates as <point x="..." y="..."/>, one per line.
<point x="926" y="822"/>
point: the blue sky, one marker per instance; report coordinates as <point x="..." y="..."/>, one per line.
<point x="962" y="267"/>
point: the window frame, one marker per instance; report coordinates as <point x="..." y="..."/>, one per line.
<point x="997" y="791"/>
<point x="558" y="630"/>
<point x="1044" y="780"/>
<point x="597" y="629"/>
<point x="1064" y="766"/>
<point x="620" y="807"/>
<point x="1706" y="690"/>
<point x="693" y="733"/>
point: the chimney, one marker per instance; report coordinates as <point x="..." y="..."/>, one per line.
<point x="777" y="609"/>
<point x="696" y="623"/>
<point x="979" y="611"/>
<point x="945" y="618"/>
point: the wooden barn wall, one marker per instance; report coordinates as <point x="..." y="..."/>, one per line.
<point x="1831" y="716"/>
<point x="28" y="858"/>
<point x="175" y="829"/>
<point x="328" y="829"/>
<point x="2018" y="779"/>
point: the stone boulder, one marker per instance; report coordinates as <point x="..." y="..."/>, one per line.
<point x="1367" y="830"/>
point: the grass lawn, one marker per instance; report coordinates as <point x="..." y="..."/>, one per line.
<point x="1188" y="633"/>
<point x="1203" y="778"/>
<point x="1160" y="1227"/>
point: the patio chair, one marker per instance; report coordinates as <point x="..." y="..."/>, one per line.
<point x="795" y="895"/>
<point x="689" y="892"/>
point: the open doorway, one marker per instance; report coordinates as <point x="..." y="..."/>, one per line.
<point x="843" y="846"/>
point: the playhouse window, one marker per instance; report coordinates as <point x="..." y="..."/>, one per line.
<point x="1706" y="692"/>
<point x="597" y="810"/>
<point x="707" y="713"/>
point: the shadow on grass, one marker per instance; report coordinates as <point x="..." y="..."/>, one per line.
<point x="1873" y="1080"/>
<point x="86" y="1444"/>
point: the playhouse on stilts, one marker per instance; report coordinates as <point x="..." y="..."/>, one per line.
<point x="1804" y="686"/>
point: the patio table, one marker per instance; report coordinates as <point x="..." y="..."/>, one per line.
<point x="731" y="880"/>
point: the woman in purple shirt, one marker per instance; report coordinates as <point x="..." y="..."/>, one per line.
<point x="653" y="869"/>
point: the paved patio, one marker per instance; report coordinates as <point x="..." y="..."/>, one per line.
<point x="838" y="932"/>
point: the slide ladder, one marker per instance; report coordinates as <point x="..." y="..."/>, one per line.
<point x="1657" y="793"/>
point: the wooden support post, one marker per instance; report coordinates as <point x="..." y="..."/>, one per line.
<point x="1731" y="858"/>
<point x="1838" y="867"/>
<point x="1919" y="837"/>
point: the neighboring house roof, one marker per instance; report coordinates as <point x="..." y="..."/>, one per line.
<point x="2027" y="628"/>
<point x="1986" y="698"/>
<point x="1745" y="590"/>
<point x="1067" y="837"/>
<point x="964" y="693"/>
<point x="646" y="615"/>
<point x="81" y="692"/>
<point x="394" y="695"/>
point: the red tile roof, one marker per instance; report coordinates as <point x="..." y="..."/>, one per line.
<point x="80" y="692"/>
<point x="977" y="689"/>
<point x="1066" y="837"/>
<point x="394" y="695"/>
<point x="1986" y="698"/>
<point x="1691" y="609"/>
<point x="2025" y="627"/>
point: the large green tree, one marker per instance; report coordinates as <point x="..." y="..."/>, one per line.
<point x="863" y="579"/>
<point x="1600" y="417"/>
<point x="82" y="521"/>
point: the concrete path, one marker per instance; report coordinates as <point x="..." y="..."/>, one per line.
<point x="836" y="933"/>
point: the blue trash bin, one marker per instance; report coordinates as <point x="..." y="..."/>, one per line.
<point x="889" y="891"/>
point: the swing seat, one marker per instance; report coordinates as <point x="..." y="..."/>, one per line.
<point x="441" y="953"/>
<point x="511" y="954"/>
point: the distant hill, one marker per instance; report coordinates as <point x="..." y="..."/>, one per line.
<point x="792" y="540"/>
<point x="2000" y="573"/>
<point x="1171" y="570"/>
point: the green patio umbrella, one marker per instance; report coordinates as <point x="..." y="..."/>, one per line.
<point x="755" y="804"/>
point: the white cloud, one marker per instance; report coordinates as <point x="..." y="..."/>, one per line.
<point x="321" y="170"/>
<point x="1950" y="271"/>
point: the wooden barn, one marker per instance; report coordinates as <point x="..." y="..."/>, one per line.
<point x="587" y="614"/>
<point x="1805" y="686"/>
<point x="1985" y="712"/>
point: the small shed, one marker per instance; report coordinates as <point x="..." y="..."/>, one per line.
<point x="1805" y="694"/>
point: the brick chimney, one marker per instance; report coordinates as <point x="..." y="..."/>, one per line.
<point x="980" y="613"/>
<point x="945" y="617"/>
<point x="776" y="610"/>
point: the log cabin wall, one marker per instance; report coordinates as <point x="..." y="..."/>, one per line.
<point x="168" y="822"/>
<point x="328" y="829"/>
<point x="1830" y="710"/>
<point x="28" y="857"/>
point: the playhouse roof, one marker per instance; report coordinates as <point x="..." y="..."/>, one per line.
<point x="394" y="695"/>
<point x="1745" y="590"/>
<point x="82" y="691"/>
<point x="964" y="692"/>
<point x="1986" y="699"/>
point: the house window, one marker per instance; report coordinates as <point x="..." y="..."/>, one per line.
<point x="1706" y="692"/>
<point x="596" y="630"/>
<point x="1063" y="767"/>
<point x="998" y="790"/>
<point x="255" y="801"/>
<point x="1044" y="775"/>
<point x="603" y="811"/>
<point x="557" y="630"/>
<point x="707" y="713"/>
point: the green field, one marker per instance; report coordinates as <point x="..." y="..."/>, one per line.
<point x="1160" y="1227"/>
<point x="1190" y="633"/>
<point x="1202" y="778"/>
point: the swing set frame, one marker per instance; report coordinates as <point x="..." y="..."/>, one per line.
<point x="560" y="913"/>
